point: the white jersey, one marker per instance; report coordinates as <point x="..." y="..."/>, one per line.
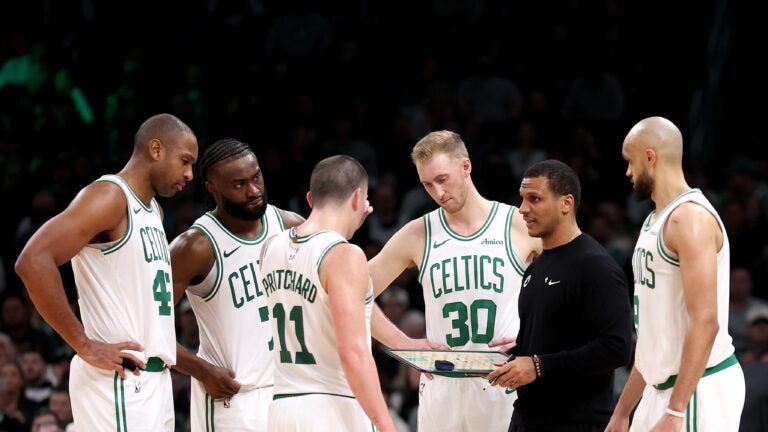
<point x="125" y="287"/>
<point x="230" y="306"/>
<point x="471" y="283"/>
<point x="306" y="356"/>
<point x="660" y="315"/>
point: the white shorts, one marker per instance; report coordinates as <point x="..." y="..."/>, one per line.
<point x="245" y="411"/>
<point x="101" y="401"/>
<point x="318" y="413"/>
<point x="714" y="407"/>
<point x="461" y="405"/>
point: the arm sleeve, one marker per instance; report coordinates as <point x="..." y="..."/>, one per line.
<point x="605" y="319"/>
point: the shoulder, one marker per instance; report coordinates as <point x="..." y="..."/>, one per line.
<point x="689" y="224"/>
<point x="290" y="219"/>
<point x="690" y="211"/>
<point x="343" y="257"/>
<point x="102" y="202"/>
<point x="191" y="243"/>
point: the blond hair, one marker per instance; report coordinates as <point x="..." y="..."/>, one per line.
<point x="447" y="142"/>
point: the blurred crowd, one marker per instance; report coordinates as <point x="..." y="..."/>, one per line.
<point x="299" y="81"/>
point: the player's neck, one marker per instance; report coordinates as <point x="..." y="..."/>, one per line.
<point x="242" y="228"/>
<point x="325" y="220"/>
<point x="138" y="181"/>
<point x="666" y="190"/>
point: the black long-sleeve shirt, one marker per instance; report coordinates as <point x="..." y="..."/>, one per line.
<point x="575" y="314"/>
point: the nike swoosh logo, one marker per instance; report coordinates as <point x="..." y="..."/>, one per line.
<point x="136" y="210"/>
<point x="227" y="254"/>
<point x="550" y="283"/>
<point x="437" y="245"/>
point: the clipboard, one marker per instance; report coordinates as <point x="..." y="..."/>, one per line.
<point x="451" y="363"/>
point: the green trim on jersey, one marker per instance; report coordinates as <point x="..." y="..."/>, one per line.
<point x="665" y="254"/>
<point x="693" y="406"/>
<point x="369" y="299"/>
<point x="725" y="364"/>
<point x="427" y="240"/>
<point x="279" y="218"/>
<point x="325" y="252"/>
<point x="290" y="395"/>
<point x="296" y="238"/>
<point x="477" y="234"/>
<point x="517" y="263"/>
<point x="245" y="241"/>
<point x="120" y="402"/>
<point x="126" y="235"/>
<point x="117" y="179"/>
<point x="209" y="427"/>
<point x="217" y="259"/>
<point x="647" y="224"/>
<point x="128" y="230"/>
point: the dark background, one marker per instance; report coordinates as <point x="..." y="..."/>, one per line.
<point x="300" y="80"/>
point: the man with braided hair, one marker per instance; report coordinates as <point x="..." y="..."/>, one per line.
<point x="216" y="262"/>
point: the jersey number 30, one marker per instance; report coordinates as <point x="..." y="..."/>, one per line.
<point x="479" y="334"/>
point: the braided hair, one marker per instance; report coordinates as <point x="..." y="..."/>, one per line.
<point x="218" y="152"/>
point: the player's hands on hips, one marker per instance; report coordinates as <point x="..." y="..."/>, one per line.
<point x="505" y="343"/>
<point x="220" y="382"/>
<point x="513" y="374"/>
<point x="668" y="423"/>
<point x="618" y="423"/>
<point x="111" y="356"/>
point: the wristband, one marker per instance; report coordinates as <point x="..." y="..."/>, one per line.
<point x="672" y="412"/>
<point x="536" y="365"/>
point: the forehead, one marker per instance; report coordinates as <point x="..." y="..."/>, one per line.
<point x="186" y="146"/>
<point x="242" y="166"/>
<point x="437" y="165"/>
<point x="534" y="185"/>
<point x="630" y="145"/>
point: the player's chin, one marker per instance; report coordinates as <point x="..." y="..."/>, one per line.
<point x="169" y="192"/>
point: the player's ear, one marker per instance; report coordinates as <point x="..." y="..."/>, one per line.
<point x="155" y="149"/>
<point x="309" y="199"/>
<point x="210" y="187"/>
<point x="356" y="195"/>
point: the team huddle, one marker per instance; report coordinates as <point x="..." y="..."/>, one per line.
<point x="286" y="312"/>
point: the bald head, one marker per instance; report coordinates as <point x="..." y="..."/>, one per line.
<point x="660" y="135"/>
<point x="165" y="127"/>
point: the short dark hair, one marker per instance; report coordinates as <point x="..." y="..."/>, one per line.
<point x="562" y="179"/>
<point x="165" y="127"/>
<point x="335" y="178"/>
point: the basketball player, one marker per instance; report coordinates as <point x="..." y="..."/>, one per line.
<point x="113" y="233"/>
<point x="685" y="369"/>
<point x="320" y="297"/>
<point x="471" y="254"/>
<point x="216" y="263"/>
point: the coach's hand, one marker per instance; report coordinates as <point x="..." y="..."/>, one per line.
<point x="111" y="356"/>
<point x="220" y="382"/>
<point x="513" y="374"/>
